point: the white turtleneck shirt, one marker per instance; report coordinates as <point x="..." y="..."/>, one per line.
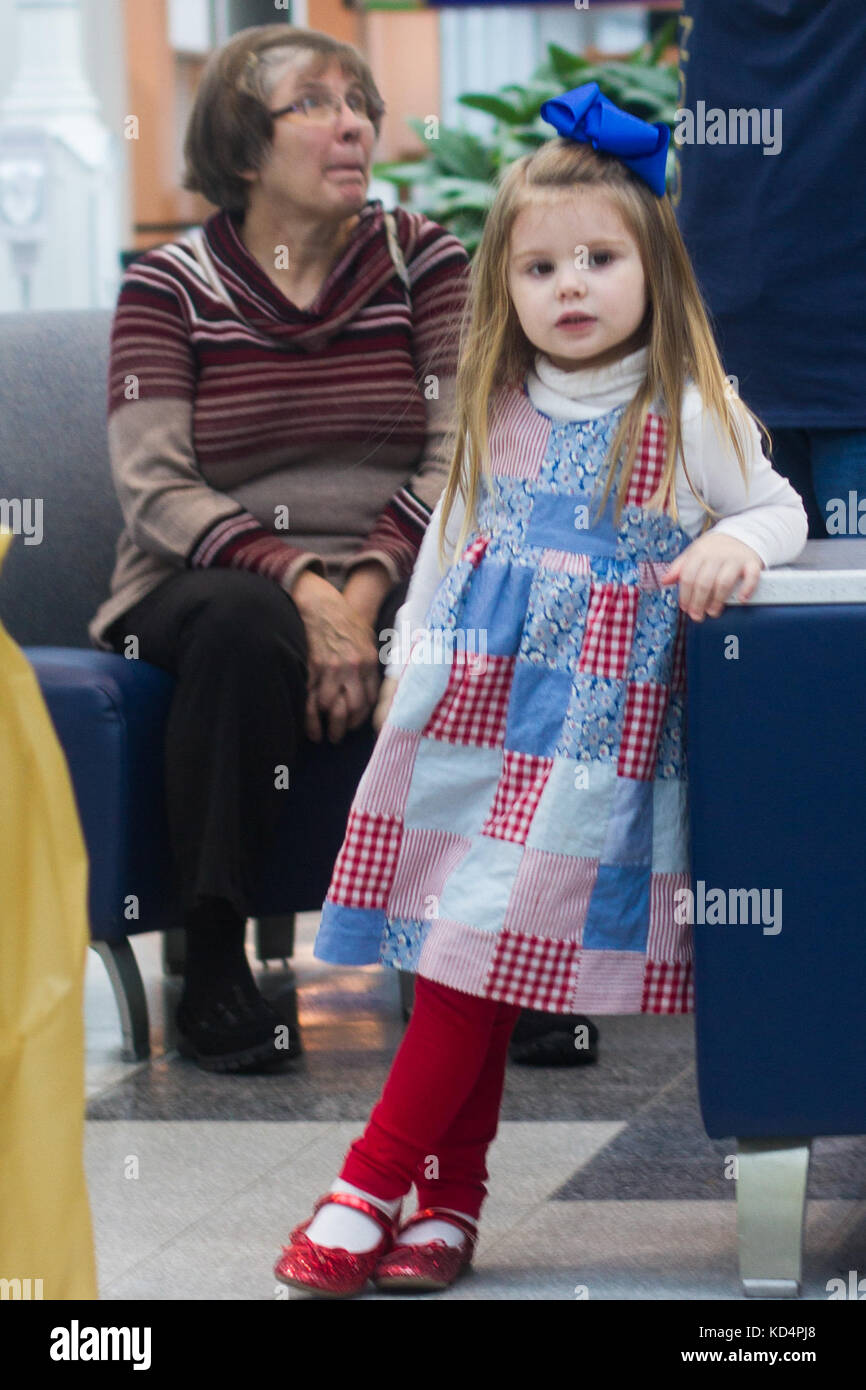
<point x="765" y="511"/>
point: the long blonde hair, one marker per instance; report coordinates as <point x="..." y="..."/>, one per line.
<point x="495" y="352"/>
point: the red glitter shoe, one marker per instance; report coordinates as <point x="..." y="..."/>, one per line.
<point x="431" y="1266"/>
<point x="330" y="1270"/>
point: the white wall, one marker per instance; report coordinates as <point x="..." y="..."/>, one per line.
<point x="104" y="59"/>
<point x="81" y="257"/>
<point x="483" y="48"/>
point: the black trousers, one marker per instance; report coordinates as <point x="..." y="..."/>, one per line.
<point x="238" y="647"/>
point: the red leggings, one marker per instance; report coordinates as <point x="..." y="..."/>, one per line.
<point x="439" y="1109"/>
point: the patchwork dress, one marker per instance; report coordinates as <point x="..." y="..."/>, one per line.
<point x="521" y="830"/>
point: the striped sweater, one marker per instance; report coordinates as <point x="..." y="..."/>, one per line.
<point x="248" y="433"/>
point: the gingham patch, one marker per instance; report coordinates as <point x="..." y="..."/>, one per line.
<point x="668" y="989"/>
<point x="649" y="462"/>
<point x="517" y="795"/>
<point x="475" y="550"/>
<point x="475" y="703"/>
<point x="535" y="972"/>
<point x="645" y="706"/>
<point x="609" y="630"/>
<point x="365" y="866"/>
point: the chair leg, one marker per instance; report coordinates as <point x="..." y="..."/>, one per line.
<point x="275" y="938"/>
<point x="771" y="1204"/>
<point x="119" y="960"/>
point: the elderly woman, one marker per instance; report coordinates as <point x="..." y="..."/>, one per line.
<point x="280" y="394"/>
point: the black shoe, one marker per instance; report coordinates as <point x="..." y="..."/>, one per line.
<point x="553" y="1040"/>
<point x="237" y="1033"/>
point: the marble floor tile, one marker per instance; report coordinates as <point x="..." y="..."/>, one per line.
<point x="213" y="1201"/>
<point x="603" y="1182"/>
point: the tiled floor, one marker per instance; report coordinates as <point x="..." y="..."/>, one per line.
<point x="603" y="1182"/>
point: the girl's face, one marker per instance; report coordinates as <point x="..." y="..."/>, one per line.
<point x="323" y="168"/>
<point x="576" y="280"/>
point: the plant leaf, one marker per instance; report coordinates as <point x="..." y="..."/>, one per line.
<point x="563" y="63"/>
<point x="494" y="106"/>
<point x="456" y="151"/>
<point x="664" y="38"/>
<point x="454" y="181"/>
<point x="402" y="173"/>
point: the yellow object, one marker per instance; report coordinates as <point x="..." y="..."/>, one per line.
<point x="45" y="1230"/>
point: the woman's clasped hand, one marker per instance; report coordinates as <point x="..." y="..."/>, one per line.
<point x="343" y="659"/>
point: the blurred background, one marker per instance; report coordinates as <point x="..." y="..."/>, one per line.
<point x="95" y="94"/>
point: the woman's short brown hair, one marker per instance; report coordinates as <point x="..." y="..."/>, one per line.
<point x="230" y="128"/>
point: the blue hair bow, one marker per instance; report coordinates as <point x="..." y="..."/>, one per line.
<point x="585" y="115"/>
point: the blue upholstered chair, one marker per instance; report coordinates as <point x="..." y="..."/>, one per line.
<point x="110" y="712"/>
<point x="777" y="717"/>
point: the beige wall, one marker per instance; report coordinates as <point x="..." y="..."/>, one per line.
<point x="159" y="86"/>
<point x="403" y="51"/>
<point x="332" y="17"/>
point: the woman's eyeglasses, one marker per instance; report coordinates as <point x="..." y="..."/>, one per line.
<point x="326" y="106"/>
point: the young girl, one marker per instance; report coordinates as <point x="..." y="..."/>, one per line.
<point x="520" y="833"/>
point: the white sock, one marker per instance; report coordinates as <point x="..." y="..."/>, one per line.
<point x="433" y="1229"/>
<point x="339" y="1225"/>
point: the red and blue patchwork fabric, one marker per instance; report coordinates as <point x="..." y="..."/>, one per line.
<point x="521" y="830"/>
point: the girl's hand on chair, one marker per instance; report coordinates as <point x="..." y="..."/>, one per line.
<point x="709" y="570"/>
<point x="386" y="696"/>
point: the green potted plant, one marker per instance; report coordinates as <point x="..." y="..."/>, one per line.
<point x="455" y="183"/>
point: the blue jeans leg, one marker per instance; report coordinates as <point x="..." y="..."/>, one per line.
<point x="792" y="457"/>
<point x="839" y="479"/>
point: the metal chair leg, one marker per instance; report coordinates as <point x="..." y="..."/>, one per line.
<point x="771" y="1204"/>
<point x="119" y="960"/>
